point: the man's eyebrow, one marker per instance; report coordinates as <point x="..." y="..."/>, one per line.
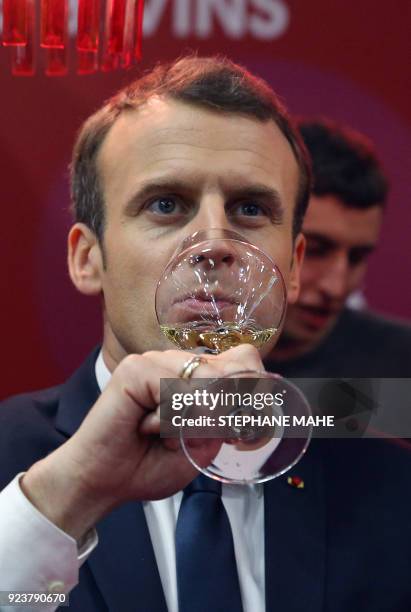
<point x="320" y="238"/>
<point x="365" y="249"/>
<point x="325" y="241"/>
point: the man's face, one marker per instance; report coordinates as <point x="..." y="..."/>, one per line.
<point x="171" y="169"/>
<point x="339" y="241"/>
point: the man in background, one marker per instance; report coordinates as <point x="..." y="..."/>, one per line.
<point x="322" y="336"/>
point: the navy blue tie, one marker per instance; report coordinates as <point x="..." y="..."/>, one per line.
<point x="207" y="576"/>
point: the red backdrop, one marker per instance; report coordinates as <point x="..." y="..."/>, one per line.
<point x="345" y="58"/>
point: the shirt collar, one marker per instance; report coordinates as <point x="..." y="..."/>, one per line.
<point x="103" y="374"/>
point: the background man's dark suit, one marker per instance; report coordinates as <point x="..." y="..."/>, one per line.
<point x="361" y="344"/>
<point x="340" y="544"/>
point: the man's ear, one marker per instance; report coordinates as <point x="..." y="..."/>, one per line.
<point x="297" y="261"/>
<point x="85" y="259"/>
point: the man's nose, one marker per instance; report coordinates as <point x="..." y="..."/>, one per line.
<point x="212" y="216"/>
<point x="334" y="281"/>
<point x="214" y="255"/>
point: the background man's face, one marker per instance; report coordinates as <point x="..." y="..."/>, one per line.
<point x="339" y="240"/>
<point x="169" y="170"/>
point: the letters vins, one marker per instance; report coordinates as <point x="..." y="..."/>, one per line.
<point x="261" y="19"/>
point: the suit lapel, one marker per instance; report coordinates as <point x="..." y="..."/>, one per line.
<point x="295" y="538"/>
<point x="77" y="396"/>
<point x="123" y="564"/>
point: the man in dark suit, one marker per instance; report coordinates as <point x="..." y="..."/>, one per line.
<point x="197" y="144"/>
<point x="323" y="334"/>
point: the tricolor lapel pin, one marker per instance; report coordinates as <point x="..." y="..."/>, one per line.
<point x="296" y="482"/>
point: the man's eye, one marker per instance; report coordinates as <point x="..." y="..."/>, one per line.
<point x="250" y="209"/>
<point x="316" y="250"/>
<point x="163" y="206"/>
<point x="357" y="257"/>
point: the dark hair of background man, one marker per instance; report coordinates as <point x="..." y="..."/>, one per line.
<point x="344" y="164"/>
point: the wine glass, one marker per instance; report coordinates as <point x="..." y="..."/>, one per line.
<point x="219" y="291"/>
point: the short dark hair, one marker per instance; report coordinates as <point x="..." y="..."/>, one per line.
<point x="344" y="163"/>
<point x="214" y="83"/>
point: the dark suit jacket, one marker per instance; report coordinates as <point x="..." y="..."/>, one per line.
<point x="342" y="543"/>
<point x="361" y="344"/>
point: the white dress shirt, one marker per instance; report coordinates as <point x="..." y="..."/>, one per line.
<point x="55" y="564"/>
